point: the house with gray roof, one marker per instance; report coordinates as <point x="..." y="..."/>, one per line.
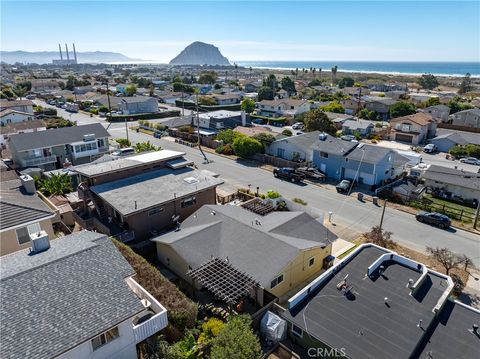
<point x="50" y="149"/>
<point x="439" y="113"/>
<point x="466" y="118"/>
<point x="362" y="127"/>
<point x="380" y="105"/>
<point x="446" y="141"/>
<point x="376" y="303"/>
<point x="280" y="250"/>
<point x="23" y="213"/>
<point x="137" y="105"/>
<point x="74" y="297"/>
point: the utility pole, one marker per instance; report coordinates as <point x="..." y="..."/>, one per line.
<point x="383" y="214"/>
<point x="477" y="212"/>
<point x="198" y="129"/>
<point x="109" y="105"/>
<point x="183" y="103"/>
<point x="126" y="128"/>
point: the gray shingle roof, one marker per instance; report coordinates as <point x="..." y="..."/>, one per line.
<point x="331" y="144"/>
<point x="453" y="176"/>
<point x="56" y="136"/>
<point x="232" y="233"/>
<point x="55" y="300"/>
<point x="17" y="207"/>
<point x="140" y="192"/>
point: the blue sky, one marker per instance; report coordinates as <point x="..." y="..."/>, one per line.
<point x="251" y="30"/>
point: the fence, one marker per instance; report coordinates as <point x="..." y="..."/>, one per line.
<point x="276" y="161"/>
<point x="458" y="127"/>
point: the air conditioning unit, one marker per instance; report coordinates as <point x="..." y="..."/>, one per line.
<point x="40" y="241"/>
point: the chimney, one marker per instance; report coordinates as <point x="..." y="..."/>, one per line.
<point x="28" y="184"/>
<point x="40" y="241"/>
<point x="244" y="118"/>
<point x="74" y="53"/>
<point x="66" y="50"/>
<point x="60" y="49"/>
<point x="410" y="283"/>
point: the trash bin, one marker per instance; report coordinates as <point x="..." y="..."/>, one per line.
<point x="375" y="200"/>
<point x="360" y="196"/>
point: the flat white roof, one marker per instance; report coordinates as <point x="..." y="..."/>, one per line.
<point x="156" y="156"/>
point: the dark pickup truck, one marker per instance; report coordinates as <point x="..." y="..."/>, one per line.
<point x="311" y="173"/>
<point x="289" y="174"/>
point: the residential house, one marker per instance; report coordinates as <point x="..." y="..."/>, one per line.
<point x="340" y="159"/>
<point x="23" y="213"/>
<point x="282" y="94"/>
<point x="380" y="105"/>
<point x="338" y="118"/>
<point x="446" y="141"/>
<point x="44" y="85"/>
<point x="466" y="118"/>
<point x="252" y="86"/>
<point x="452" y="182"/>
<point x="439" y="113"/>
<point x="420" y="98"/>
<point x="285" y="107"/>
<point x="79" y="297"/>
<point x="415" y="129"/>
<point x="352" y="105"/>
<point x="82" y="90"/>
<point x="222" y="119"/>
<point x="50" y="149"/>
<point x="227" y="99"/>
<point x="8" y="130"/>
<point x="137" y="105"/>
<point x="171" y="97"/>
<point x="143" y="194"/>
<point x="8" y="116"/>
<point x="362" y="127"/>
<point x="280" y="250"/>
<point x="122" y="88"/>
<point x="376" y="303"/>
<point x="17" y="105"/>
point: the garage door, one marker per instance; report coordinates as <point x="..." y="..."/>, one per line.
<point x="362" y="177"/>
<point x="403" y="138"/>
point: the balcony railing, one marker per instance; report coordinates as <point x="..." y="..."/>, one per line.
<point x="35" y="161"/>
<point x="155" y="323"/>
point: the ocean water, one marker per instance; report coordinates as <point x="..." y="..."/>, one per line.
<point x="411" y="68"/>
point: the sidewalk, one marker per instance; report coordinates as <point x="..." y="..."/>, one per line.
<point x="471" y="293"/>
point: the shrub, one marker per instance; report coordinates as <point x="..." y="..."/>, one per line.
<point x="246" y="146"/>
<point x="287" y="132"/>
<point x="123" y="142"/>
<point x="273" y="194"/>
<point x="228" y="136"/>
<point x="300" y="201"/>
<point x="182" y="311"/>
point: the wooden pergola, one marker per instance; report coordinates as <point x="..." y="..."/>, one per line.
<point x="224" y="280"/>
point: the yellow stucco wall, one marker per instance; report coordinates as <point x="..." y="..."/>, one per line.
<point x="9" y="242"/>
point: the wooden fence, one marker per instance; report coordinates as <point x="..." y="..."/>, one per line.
<point x="276" y="161"/>
<point x="457" y="127"/>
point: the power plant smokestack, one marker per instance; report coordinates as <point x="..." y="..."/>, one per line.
<point x="66" y="50"/>
<point x="74" y="53"/>
<point x="60" y="49"/>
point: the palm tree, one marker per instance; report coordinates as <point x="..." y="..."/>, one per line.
<point x="56" y="184"/>
<point x="334" y="74"/>
<point x="296" y="73"/>
<point x="20" y="91"/>
<point x="313" y="72"/>
<point x="320" y="73"/>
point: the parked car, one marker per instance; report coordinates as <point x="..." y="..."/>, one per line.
<point x="311" y="173"/>
<point x="298" y="126"/>
<point x="344" y="186"/>
<point x="288" y="173"/>
<point x="123" y="152"/>
<point x="470" y="161"/>
<point x="348" y="138"/>
<point x="430" y="148"/>
<point x="437" y="219"/>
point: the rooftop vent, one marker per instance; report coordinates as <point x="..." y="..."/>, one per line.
<point x="322" y="136"/>
<point x="191" y="180"/>
<point x="410" y="283"/>
<point x="40" y="241"/>
<point x="89" y="137"/>
<point x="28" y="184"/>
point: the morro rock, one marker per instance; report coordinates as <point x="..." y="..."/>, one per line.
<point x="200" y="53"/>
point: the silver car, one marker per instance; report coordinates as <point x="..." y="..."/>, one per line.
<point x="470" y="161"/>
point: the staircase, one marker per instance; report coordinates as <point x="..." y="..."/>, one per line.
<point x="99" y="206"/>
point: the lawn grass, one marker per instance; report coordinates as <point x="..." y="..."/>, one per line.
<point x="452" y="205"/>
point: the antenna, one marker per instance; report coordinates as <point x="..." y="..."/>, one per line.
<point x="60" y="49"/>
<point x="66" y="50"/>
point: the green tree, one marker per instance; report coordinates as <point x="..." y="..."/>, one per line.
<point x="145" y="146"/>
<point x="456" y="105"/>
<point x="265" y="139"/>
<point x="402" y="108"/>
<point x="131" y="90"/>
<point x="207" y="101"/>
<point x="366" y="114"/>
<point x="151" y="90"/>
<point x="428" y="81"/>
<point x="271" y="81"/>
<point x="265" y="93"/>
<point x="288" y="85"/>
<point x="56" y="184"/>
<point x="432" y="101"/>
<point x="228" y="136"/>
<point x="466" y="85"/>
<point x="317" y="120"/>
<point x="246" y="146"/>
<point x="248" y="105"/>
<point x="207" y="77"/>
<point x="287" y="132"/>
<point x="334" y="74"/>
<point x="346" y="82"/>
<point x="123" y="142"/>
<point x="334" y="106"/>
<point x="20" y="91"/>
<point x="236" y="340"/>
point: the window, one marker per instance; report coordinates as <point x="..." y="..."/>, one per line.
<point x="324" y="154"/>
<point x="276" y="281"/>
<point x="187" y="202"/>
<point x="155" y="210"/>
<point x="311" y="261"/>
<point x="105" y="338"/>
<point x="23" y="234"/>
<point x="297" y="331"/>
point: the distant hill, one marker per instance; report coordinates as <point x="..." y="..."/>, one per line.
<point x="200" y="53"/>
<point x="46" y="57"/>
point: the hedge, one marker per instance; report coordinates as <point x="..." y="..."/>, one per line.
<point x="182" y="312"/>
<point x="145" y="116"/>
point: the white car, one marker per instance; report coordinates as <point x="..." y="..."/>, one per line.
<point x="430" y="148"/>
<point x="123" y="152"/>
<point x="470" y="161"/>
<point x="298" y="126"/>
